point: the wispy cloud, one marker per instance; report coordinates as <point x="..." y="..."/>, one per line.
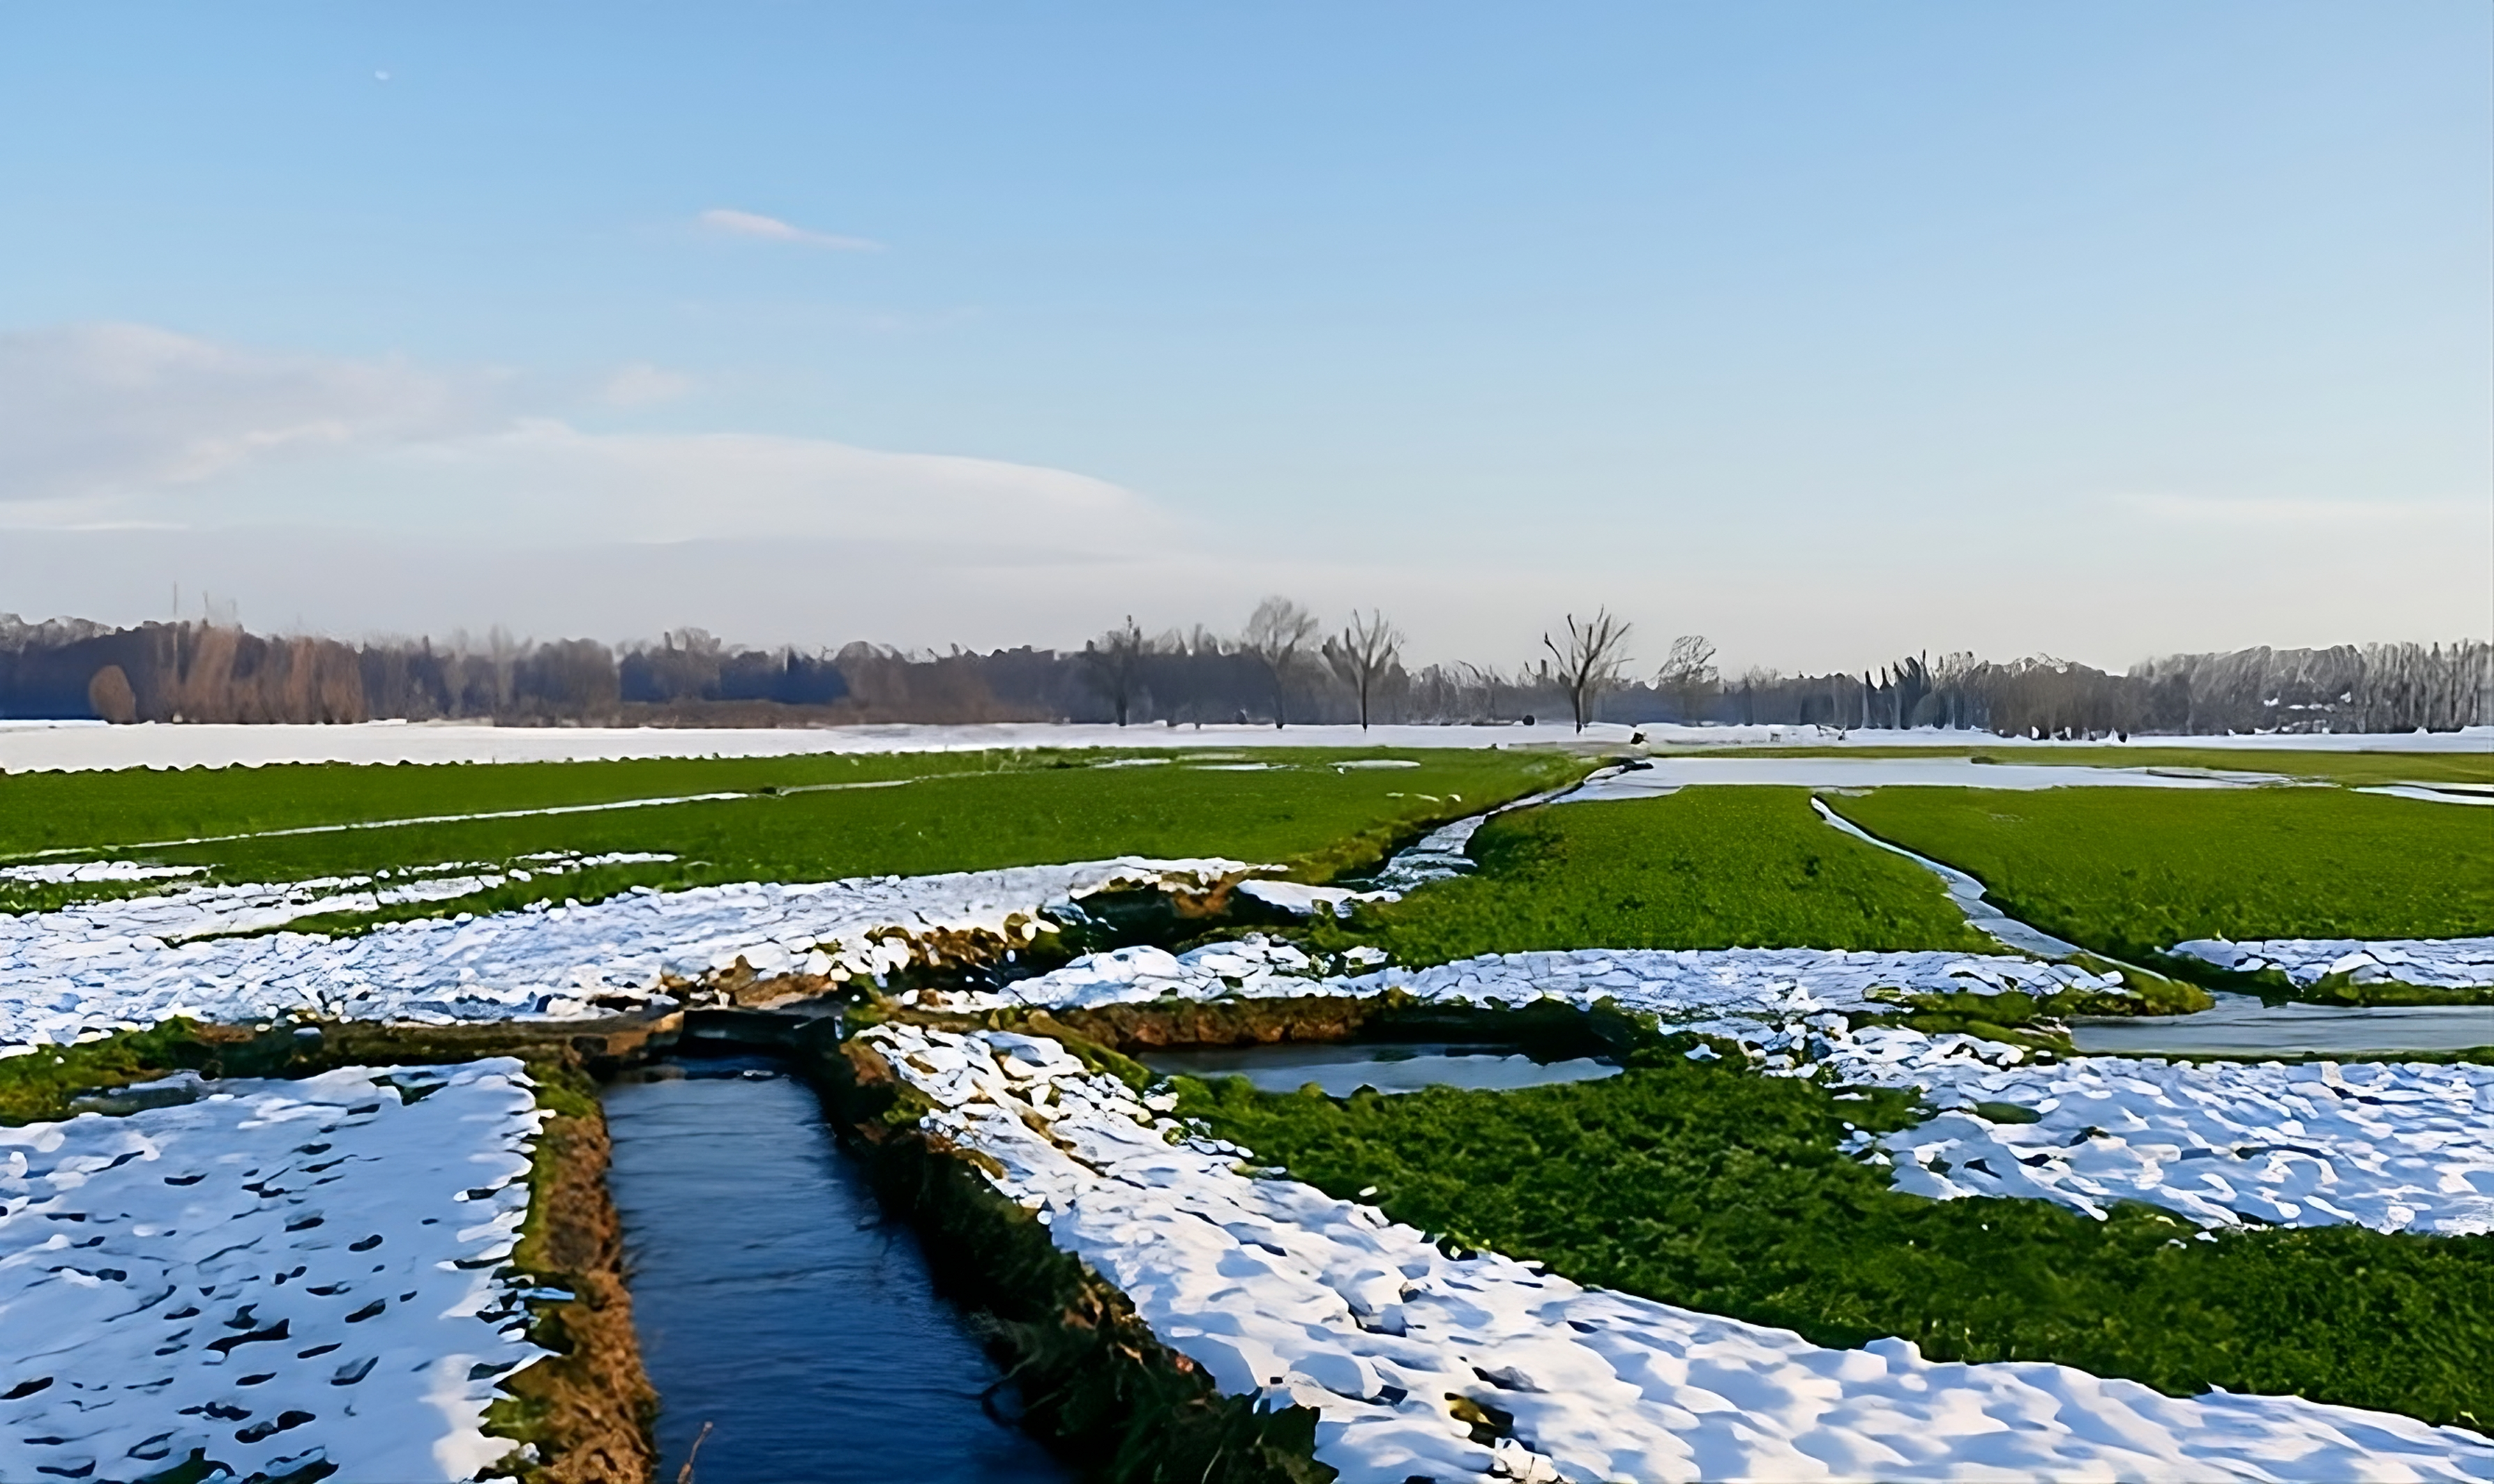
<point x="130" y="426"/>
<point x="91" y="409"/>
<point x="638" y="383"/>
<point x="727" y="222"/>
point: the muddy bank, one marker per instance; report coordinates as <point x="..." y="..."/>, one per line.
<point x="584" y="1413"/>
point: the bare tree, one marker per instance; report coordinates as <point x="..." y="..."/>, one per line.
<point x="1116" y="660"/>
<point x="1364" y="654"/>
<point x="1277" y="633"/>
<point x="1687" y="673"/>
<point x="1591" y="661"/>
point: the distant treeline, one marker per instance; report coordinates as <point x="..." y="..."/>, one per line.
<point x="204" y="671"/>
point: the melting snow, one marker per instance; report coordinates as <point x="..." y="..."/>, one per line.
<point x="1281" y="1292"/>
<point x="277" y="1273"/>
<point x="2394" y="1147"/>
<point x="104" y="965"/>
<point x="2442" y="963"/>
<point x="1700" y="985"/>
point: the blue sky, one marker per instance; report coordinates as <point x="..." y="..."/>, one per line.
<point x="1829" y="330"/>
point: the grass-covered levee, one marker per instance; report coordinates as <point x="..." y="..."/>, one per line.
<point x="1087" y="1375"/>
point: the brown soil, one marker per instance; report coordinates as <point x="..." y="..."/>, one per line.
<point x="589" y="1410"/>
<point x="1221" y="1023"/>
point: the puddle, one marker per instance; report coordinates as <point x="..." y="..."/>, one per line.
<point x="2243" y="1026"/>
<point x="1343" y="1068"/>
<point x="776" y="1303"/>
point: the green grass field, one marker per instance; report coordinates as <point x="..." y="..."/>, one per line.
<point x="792" y="819"/>
<point x="1704" y="868"/>
<point x="1703" y="1185"/>
<point x="2127" y="872"/>
<point x="2354" y="768"/>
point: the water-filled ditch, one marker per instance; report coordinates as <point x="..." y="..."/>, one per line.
<point x="1343" y="1068"/>
<point x="2242" y="1026"/>
<point x="776" y="1305"/>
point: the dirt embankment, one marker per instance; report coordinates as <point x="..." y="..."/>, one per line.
<point x="1220" y="1023"/>
<point x="588" y="1410"/>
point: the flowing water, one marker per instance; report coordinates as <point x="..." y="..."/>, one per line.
<point x="775" y="1305"/>
<point x="1342" y="1068"/>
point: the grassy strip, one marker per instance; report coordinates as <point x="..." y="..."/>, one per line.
<point x="1704" y="868"/>
<point x="1095" y="1383"/>
<point x="1705" y="1185"/>
<point x="1318" y="818"/>
<point x="2355" y="769"/>
<point x="2130" y="873"/>
<point x="583" y="1415"/>
<point x="39" y="1086"/>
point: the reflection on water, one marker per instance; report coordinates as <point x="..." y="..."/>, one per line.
<point x="774" y="1304"/>
<point x="2243" y="1026"/>
<point x="1342" y="1068"/>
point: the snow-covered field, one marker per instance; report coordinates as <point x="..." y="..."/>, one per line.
<point x="1669" y="774"/>
<point x="2442" y="963"/>
<point x="1281" y="1292"/>
<point x="30" y="746"/>
<point x="105" y="965"/>
<point x="199" y="910"/>
<point x="1694" y="986"/>
<point x="2396" y="1147"/>
<point x="275" y="1273"/>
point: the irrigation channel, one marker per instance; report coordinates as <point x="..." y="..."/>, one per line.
<point x="1343" y="1068"/>
<point x="2242" y="1026"/>
<point x="776" y="1307"/>
<point x="781" y="1308"/>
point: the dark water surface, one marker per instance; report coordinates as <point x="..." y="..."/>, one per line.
<point x="774" y="1304"/>
<point x="1343" y="1068"/>
<point x="2240" y="1025"/>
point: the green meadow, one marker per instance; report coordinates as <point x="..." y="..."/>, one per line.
<point x="1704" y="1185"/>
<point x="796" y="819"/>
<point x="1704" y="868"/>
<point x="2129" y="872"/>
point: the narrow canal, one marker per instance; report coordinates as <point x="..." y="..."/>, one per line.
<point x="775" y="1305"/>
<point x="1342" y="1068"/>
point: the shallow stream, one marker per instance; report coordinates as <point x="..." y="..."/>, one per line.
<point x="777" y="1306"/>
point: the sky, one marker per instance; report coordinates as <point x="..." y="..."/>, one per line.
<point x="1831" y="331"/>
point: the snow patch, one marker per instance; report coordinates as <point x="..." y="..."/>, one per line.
<point x="1693" y="986"/>
<point x="2440" y="963"/>
<point x="1282" y="1292"/>
<point x="276" y="1273"/>
<point x="103" y="966"/>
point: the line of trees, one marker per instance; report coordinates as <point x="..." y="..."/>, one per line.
<point x="1284" y="666"/>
